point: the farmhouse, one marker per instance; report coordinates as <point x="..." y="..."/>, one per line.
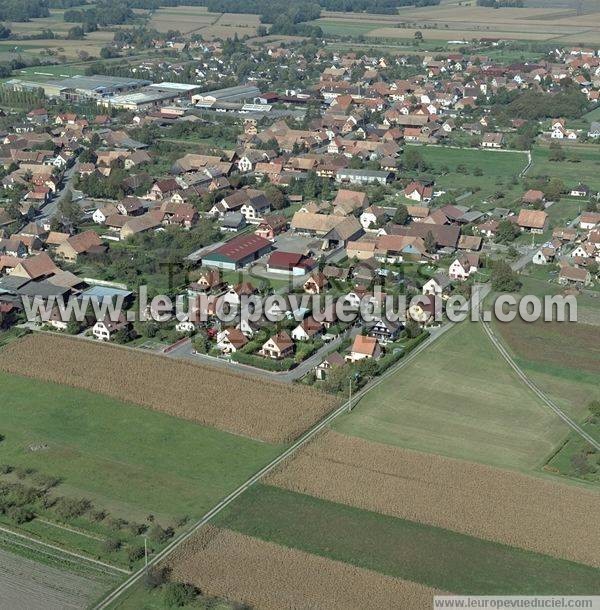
<point x="87" y="242"/>
<point x="534" y="221"/>
<point x="417" y="191"/>
<point x="104" y="330"/>
<point x="574" y="275"/>
<point x="332" y="361"/>
<point x="492" y="140"/>
<point x="237" y="252"/>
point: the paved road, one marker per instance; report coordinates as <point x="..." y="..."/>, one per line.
<point x="50" y="208"/>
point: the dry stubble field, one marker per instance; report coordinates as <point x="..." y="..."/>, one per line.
<point x="272" y="577"/>
<point x="268" y="411"/>
<point x="482" y="501"/>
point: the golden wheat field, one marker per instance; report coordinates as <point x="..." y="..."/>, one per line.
<point x="272" y="577"/>
<point x="486" y="502"/>
<point x="270" y="411"/>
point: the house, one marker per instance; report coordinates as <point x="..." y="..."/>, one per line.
<point x="362" y="176"/>
<point x="364" y="347"/>
<point x="232" y="222"/>
<point x="534" y="221"/>
<point x="425" y="310"/>
<point x="271" y="226"/>
<point x="492" y="140"/>
<point x="208" y="280"/>
<point x="307" y="330"/>
<point x="237" y="252"/>
<point x="316" y="283"/>
<point x="84" y="243"/>
<point x="140" y="224"/>
<point x="438" y="286"/>
<point x="385" y="330"/>
<point x="463" y="266"/>
<point x="104" y="330"/>
<point x="581" y="190"/>
<point x="13" y="247"/>
<point x="594" y="131"/>
<point x="589" y="220"/>
<point x="417" y="191"/>
<point x="545" y="255"/>
<point x="574" y="276"/>
<point x="233" y="297"/>
<point x="131" y="206"/>
<point x="231" y="340"/>
<point x="332" y="361"/>
<point x="278" y="346"/>
<point x="36" y="267"/>
<point x="372" y="217"/>
<point x="532" y="196"/>
<point x="347" y="202"/>
<point x="289" y="263"/>
<point x="101" y="214"/>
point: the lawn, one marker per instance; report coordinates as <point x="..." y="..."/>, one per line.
<point x="455" y="169"/>
<point x="587" y="170"/>
<point x="425" y="554"/>
<point x="459" y="399"/>
<point x="128" y="460"/>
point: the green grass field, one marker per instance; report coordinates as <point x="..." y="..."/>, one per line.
<point x="587" y="170"/>
<point x="498" y="172"/>
<point x="429" y="555"/>
<point x="459" y="399"/>
<point x="126" y="459"/>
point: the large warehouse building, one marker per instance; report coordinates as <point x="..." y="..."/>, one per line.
<point x="229" y="94"/>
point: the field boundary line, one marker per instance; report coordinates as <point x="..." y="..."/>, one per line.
<point x="307" y="436"/>
<point x="60" y="526"/>
<point x="64" y="551"/>
<point x="531" y="385"/>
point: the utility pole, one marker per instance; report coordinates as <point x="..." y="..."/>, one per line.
<point x="350" y="396"/>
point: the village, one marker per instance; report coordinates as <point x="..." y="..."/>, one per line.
<point x="324" y="189"/>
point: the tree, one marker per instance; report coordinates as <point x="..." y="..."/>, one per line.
<point x="430" y="243"/>
<point x="418" y="35"/>
<point x="275" y="196"/>
<point x="401" y="214"/>
<point x="412" y="329"/>
<point x="503" y="278"/>
<point x="554" y="189"/>
<point x="201" y="343"/>
<point x="556" y="152"/>
<point x="179" y="594"/>
<point x="507" y="231"/>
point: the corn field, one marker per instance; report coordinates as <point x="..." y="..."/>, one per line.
<point x="532" y="513"/>
<point x="269" y="411"/>
<point x="272" y="577"/>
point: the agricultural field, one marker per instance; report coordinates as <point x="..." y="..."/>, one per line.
<point x="30" y="584"/>
<point x="435" y="557"/>
<point x="466" y="22"/>
<point x="128" y="460"/>
<point x="197" y="20"/>
<point x="585" y="169"/>
<point x="475" y="407"/>
<point x="563" y="359"/>
<point x="447" y="493"/>
<point x="465" y="170"/>
<point x="271" y="412"/>
<point x="271" y="576"/>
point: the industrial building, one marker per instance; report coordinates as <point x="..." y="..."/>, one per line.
<point x="238" y="252"/>
<point x="229" y="94"/>
<point x="139" y="100"/>
<point x="181" y="89"/>
<point x="76" y="88"/>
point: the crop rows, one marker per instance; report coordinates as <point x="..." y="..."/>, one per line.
<point x="269" y="411"/>
<point x="482" y="501"/>
<point x="269" y="576"/>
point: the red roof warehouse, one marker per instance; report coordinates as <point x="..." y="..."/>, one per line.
<point x="238" y="252"/>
